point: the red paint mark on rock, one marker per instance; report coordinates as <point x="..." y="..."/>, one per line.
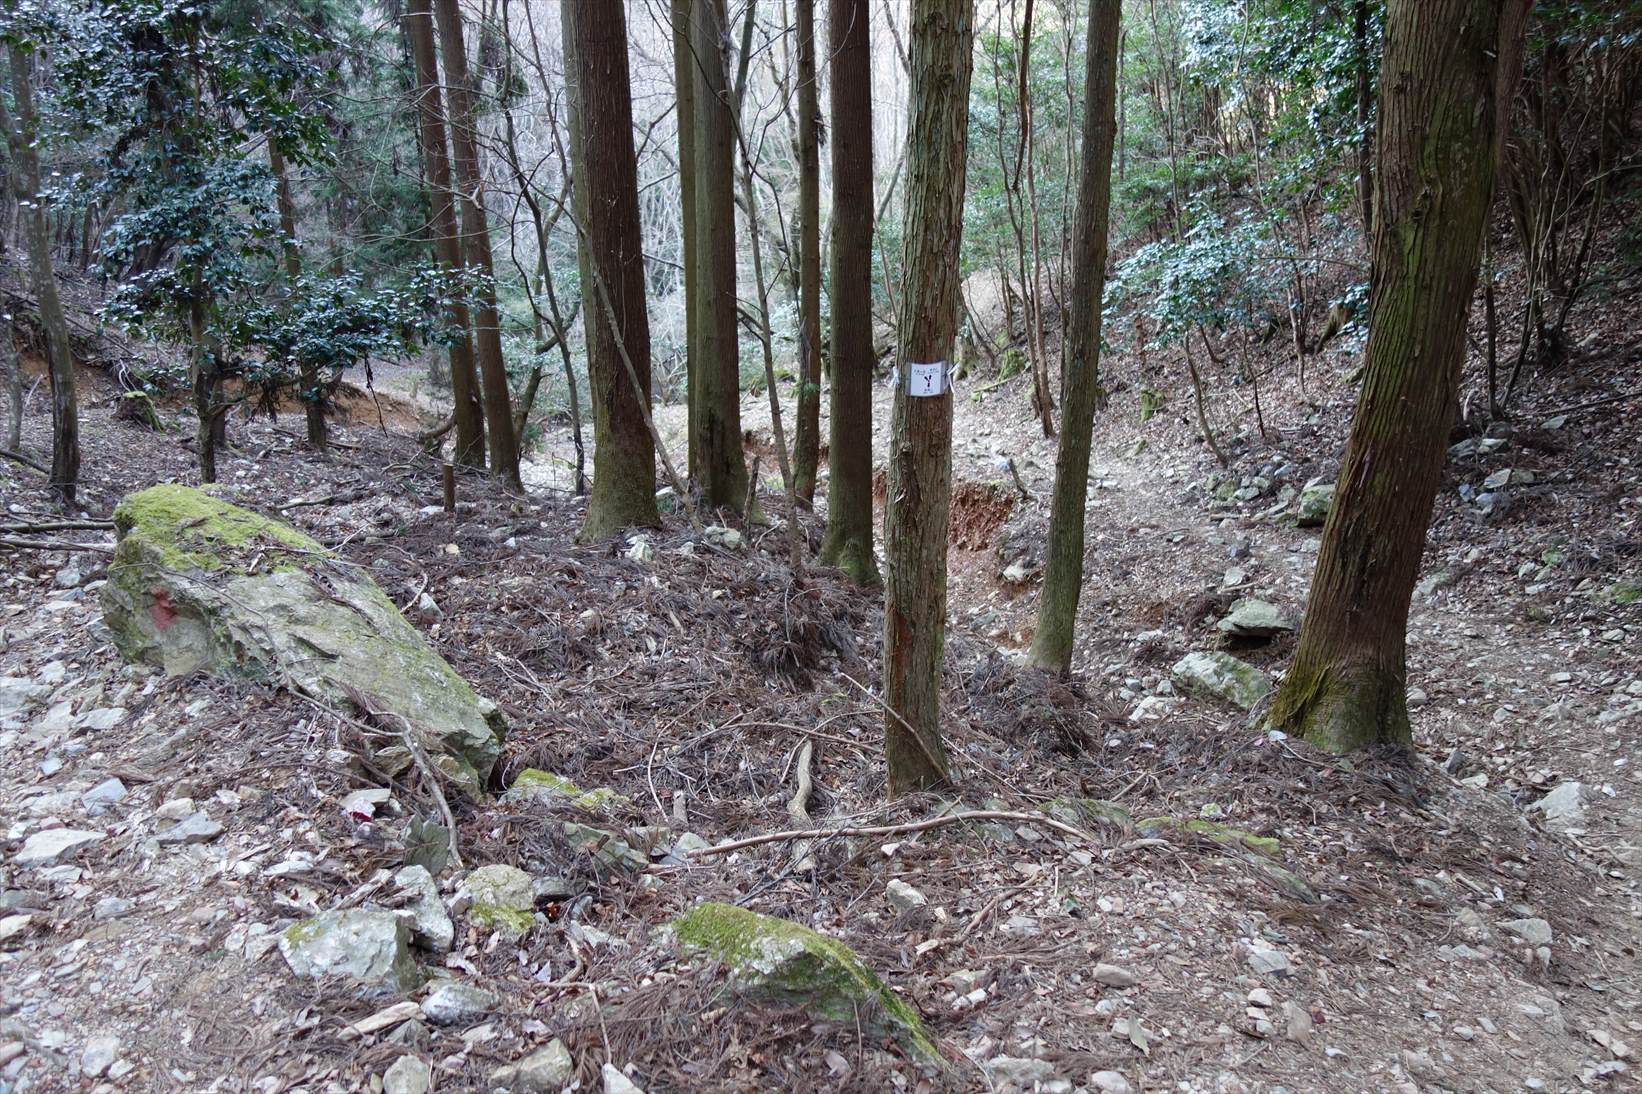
<point x="161" y="611"/>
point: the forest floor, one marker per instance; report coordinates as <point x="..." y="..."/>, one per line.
<point x="1385" y="943"/>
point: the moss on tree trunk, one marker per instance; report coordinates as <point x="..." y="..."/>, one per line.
<point x="1446" y="83"/>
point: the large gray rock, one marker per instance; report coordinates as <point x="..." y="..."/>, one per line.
<point x="370" y="946"/>
<point x="1217" y="675"/>
<point x="197" y="584"/>
<point x="1251" y="618"/>
<point x="454" y="1003"/>
<point x="546" y="1071"/>
<point x="18" y="693"/>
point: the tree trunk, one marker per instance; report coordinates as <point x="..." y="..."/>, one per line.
<point x="684" y="87"/>
<point x="807" y="416"/>
<point x="847" y="542"/>
<point x="920" y="463"/>
<point x="607" y="209"/>
<point x="21" y="135"/>
<point x="1365" y="108"/>
<point x="721" y="472"/>
<point x="1063" y="576"/>
<point x="504" y="446"/>
<point x="1446" y="84"/>
<point x="311" y="392"/>
<point x="447" y="241"/>
<point x="14" y="385"/>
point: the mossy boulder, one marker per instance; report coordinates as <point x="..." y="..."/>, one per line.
<point x="1316" y="499"/>
<point x="780" y="961"/>
<point x="533" y="784"/>
<point x="199" y="585"/>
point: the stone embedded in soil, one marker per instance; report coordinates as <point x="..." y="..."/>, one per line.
<point x="100" y="798"/>
<point x="904" y="896"/>
<point x="1315" y="502"/>
<point x="609" y="850"/>
<point x="778" y="960"/>
<point x="1532" y="930"/>
<point x="197" y="584"/>
<point x="1217" y="675"/>
<point x="1114" y="976"/>
<point x="1270" y="962"/>
<point x="452" y="1002"/>
<point x="98" y="1055"/>
<point x="408" y="1075"/>
<point x="1563" y="807"/>
<point x="499" y="897"/>
<point x="369" y="946"/>
<point x="616" y="1082"/>
<point x="546" y="1071"/>
<point x="1251" y="618"/>
<point x="532" y="784"/>
<point x="194" y="828"/>
<point x="417" y="901"/>
<point x="18" y="693"/>
<point x="53" y="846"/>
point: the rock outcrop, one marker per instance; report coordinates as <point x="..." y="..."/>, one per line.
<point x="199" y="585"/>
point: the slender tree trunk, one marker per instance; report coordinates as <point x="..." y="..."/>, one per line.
<point x="684" y="87"/>
<point x="487" y="330"/>
<point x="1365" y="108"/>
<point x="1063" y="576"/>
<point x="21" y="136"/>
<point x="721" y="471"/>
<point x="920" y="460"/>
<point x="447" y="240"/>
<point x="1446" y="85"/>
<point x="311" y="391"/>
<point x="1027" y="154"/>
<point x="847" y="542"/>
<point x="607" y="208"/>
<point x="14" y="385"/>
<point x="806" y="443"/>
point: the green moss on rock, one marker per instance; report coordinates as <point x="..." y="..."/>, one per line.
<point x="199" y="585"/>
<point x="781" y="961"/>
<point x="533" y="783"/>
<point x="1219" y="833"/>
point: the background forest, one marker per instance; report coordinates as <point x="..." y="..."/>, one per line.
<point x="1012" y="545"/>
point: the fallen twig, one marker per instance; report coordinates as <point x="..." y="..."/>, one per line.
<point x="22" y="459"/>
<point x="896" y="830"/>
<point x="59" y="526"/>
<point x="52" y="545"/>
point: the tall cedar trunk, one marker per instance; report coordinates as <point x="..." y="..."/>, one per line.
<point x="920" y="459"/>
<point x="807" y="440"/>
<point x="313" y="397"/>
<point x="487" y="330"/>
<point x="447" y="241"/>
<point x="684" y="87"/>
<point x="1446" y="85"/>
<point x="1063" y="577"/>
<point x="847" y="543"/>
<point x="25" y="158"/>
<point x="607" y="209"/>
<point x="721" y="472"/>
